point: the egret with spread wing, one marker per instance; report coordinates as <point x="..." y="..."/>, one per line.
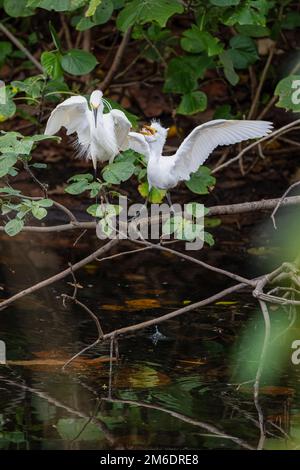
<point x="165" y="172"/>
<point x="100" y="137"/>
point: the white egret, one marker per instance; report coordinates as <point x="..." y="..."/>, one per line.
<point x="100" y="137"/>
<point x="165" y="172"/>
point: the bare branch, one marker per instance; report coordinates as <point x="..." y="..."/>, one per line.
<point x="59" y="276"/>
<point x="20" y="46"/>
<point x="240" y="208"/>
<point x="116" y="62"/>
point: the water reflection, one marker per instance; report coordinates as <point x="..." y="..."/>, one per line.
<point x="185" y="391"/>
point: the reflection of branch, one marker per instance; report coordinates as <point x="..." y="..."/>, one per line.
<point x="208" y="427"/>
<point x="59" y="404"/>
<point x="266" y="316"/>
<point x="97" y="323"/>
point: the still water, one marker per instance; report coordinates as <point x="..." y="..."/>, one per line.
<point x="190" y="389"/>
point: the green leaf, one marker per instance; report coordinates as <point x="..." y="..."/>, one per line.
<point x="82" y="176"/>
<point x="195" y="209"/>
<point x="223" y="112"/>
<point x="57" y="5"/>
<point x="6" y="162"/>
<point x="7" y="105"/>
<point x="115" y="173"/>
<point x="192" y="103"/>
<point x="92" y="209"/>
<point x="51" y="64"/>
<point x="291" y="20"/>
<point x="93" y="4"/>
<point x="253" y="30"/>
<point x="209" y="239"/>
<point x="201" y="181"/>
<point x="243" y="51"/>
<point x="145" y="11"/>
<point x="229" y="72"/>
<point x="77" y="62"/>
<point x="156" y="196"/>
<point x="249" y="12"/>
<point x="126" y="156"/>
<point x="17" y="8"/>
<point x="183" y="72"/>
<point x="102" y="14"/>
<point x="55" y="37"/>
<point x="108" y="210"/>
<point x="78" y="187"/>
<point x="224" y="3"/>
<point x="194" y="40"/>
<point x="94" y="188"/>
<point x="39" y="212"/>
<point x="39" y="166"/>
<point x="288" y="92"/>
<point x="11" y="191"/>
<point x="45" y="202"/>
<point x="32" y="86"/>
<point x="5" y="50"/>
<point x="13" y="227"/>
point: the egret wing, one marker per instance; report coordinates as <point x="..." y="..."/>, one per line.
<point x="200" y="143"/>
<point x="74" y="115"/>
<point x="122" y="126"/>
<point x="138" y="143"/>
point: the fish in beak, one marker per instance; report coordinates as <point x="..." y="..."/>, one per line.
<point x="148" y="130"/>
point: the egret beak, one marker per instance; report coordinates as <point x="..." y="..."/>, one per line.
<point x="95" y="111"/>
<point x="94" y="160"/>
<point x="148" y="130"/>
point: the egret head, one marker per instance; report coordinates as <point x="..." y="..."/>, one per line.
<point x="154" y="132"/>
<point x="96" y="103"/>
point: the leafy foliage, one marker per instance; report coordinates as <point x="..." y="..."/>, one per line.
<point x="288" y="92"/>
<point x="219" y="40"/>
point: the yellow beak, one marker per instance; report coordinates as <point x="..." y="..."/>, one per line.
<point x="148" y="130"/>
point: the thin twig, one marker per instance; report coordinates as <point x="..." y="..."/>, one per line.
<point x="294" y="185"/>
<point x="261" y="82"/>
<point x="254" y="144"/>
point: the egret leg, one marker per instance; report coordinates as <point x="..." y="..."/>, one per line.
<point x="139" y="212"/>
<point x="169" y="200"/>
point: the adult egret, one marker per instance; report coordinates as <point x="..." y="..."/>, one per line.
<point x="100" y="137"/>
<point x="164" y="172"/>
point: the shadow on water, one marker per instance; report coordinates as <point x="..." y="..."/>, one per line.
<point x="190" y="389"/>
